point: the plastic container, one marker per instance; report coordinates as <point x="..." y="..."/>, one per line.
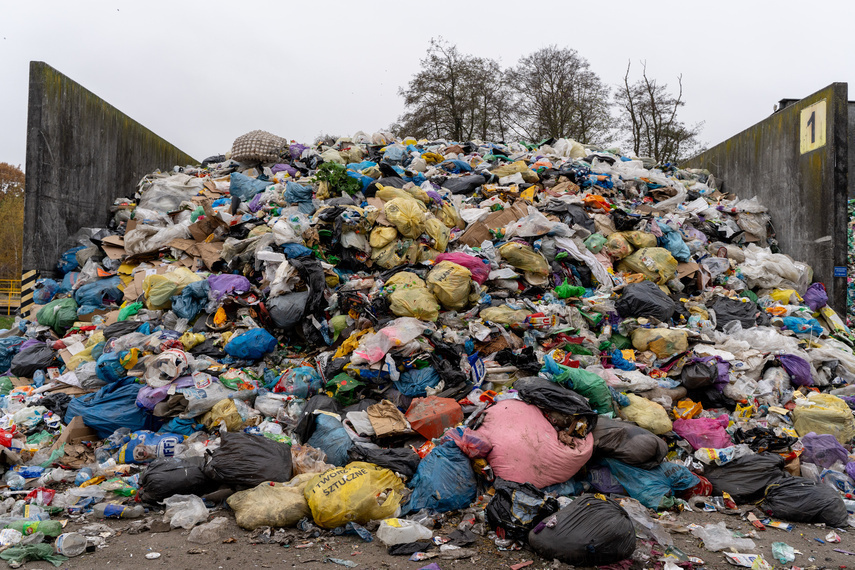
<point x="70" y="544"/>
<point x="400" y="531"/>
<point x="111" y="511"/>
<point x="48" y="528"/>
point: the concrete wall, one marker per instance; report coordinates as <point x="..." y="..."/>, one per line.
<point x="851" y="139"/>
<point x="82" y="153"/>
<point x="806" y="193"/>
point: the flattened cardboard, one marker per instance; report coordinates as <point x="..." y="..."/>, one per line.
<point x="75" y="432"/>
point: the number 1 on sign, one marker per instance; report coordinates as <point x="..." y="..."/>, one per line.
<point x="812" y="127"/>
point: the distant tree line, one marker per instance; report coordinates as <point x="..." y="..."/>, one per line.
<point x="550" y="93"/>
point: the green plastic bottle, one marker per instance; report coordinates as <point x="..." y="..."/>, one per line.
<point x="49" y="528"/>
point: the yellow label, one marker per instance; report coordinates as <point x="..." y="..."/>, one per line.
<point x="812" y="127"/>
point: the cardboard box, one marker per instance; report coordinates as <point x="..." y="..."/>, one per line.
<point x="479" y="232"/>
<point x="75" y="432"/>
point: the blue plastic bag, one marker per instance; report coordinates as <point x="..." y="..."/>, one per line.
<point x="245" y="187"/>
<point x="44" y="291"/>
<point x="300" y="195"/>
<point x="444" y="481"/>
<point x="673" y="242"/>
<point x="191" y="301"/>
<point x="68" y="282"/>
<point x="414" y="382"/>
<point x="9" y="347"/>
<point x="92" y="296"/>
<point x="68" y="260"/>
<point x="802" y="326"/>
<point x="653" y="488"/>
<point x="112" y="407"/>
<point x="109" y="368"/>
<point x="292" y="250"/>
<point x="251" y="345"/>
<point x="331" y="438"/>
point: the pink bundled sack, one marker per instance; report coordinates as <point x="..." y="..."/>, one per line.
<point x="478" y="267"/>
<point x="704" y="432"/>
<point x="526" y="448"/>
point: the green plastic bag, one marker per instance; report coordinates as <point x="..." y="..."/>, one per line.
<point x="566" y="290"/>
<point x="129" y="311"/>
<point x="595" y="242"/>
<point x="5" y="385"/>
<point x="59" y="314"/>
<point x="585" y="383"/>
<point x="19" y="554"/>
<point x="343" y="388"/>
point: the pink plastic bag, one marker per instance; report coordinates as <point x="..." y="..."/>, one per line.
<point x="469" y="442"/>
<point x="478" y="267"/>
<point x="526" y="448"/>
<point x="704" y="432"/>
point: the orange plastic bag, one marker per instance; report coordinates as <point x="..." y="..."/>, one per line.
<point x="686" y="409"/>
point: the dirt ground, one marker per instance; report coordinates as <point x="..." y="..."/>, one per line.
<point x="127" y="550"/>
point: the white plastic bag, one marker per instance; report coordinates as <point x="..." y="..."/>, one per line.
<point x="185" y="511"/>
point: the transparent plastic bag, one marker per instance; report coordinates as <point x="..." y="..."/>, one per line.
<point x="717" y="537"/>
<point x="184" y="511"/>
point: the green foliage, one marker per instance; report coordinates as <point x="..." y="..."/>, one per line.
<point x="336" y="176"/>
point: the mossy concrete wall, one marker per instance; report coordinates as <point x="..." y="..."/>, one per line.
<point x="806" y="193"/>
<point x="82" y="153"/>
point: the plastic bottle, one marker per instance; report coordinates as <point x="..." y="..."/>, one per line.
<point x="82" y="476"/>
<point x="48" y="528"/>
<point x="70" y="544"/>
<point x="111" y="511"/>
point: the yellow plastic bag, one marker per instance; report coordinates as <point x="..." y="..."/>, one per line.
<point x="439" y="232"/>
<point x="687" y="409"/>
<point x="617" y="246"/>
<point x="503" y="315"/>
<point x="389" y="193"/>
<point x="404" y="280"/>
<point x="655" y="263"/>
<point x="448" y="215"/>
<point x="519" y="166"/>
<point x="353" y="494"/>
<point x="825" y="414"/>
<point x="640" y="239"/>
<point x="85" y="355"/>
<point x="647" y="414"/>
<point x="387" y="257"/>
<point x="450" y="284"/>
<point x="664" y="343"/>
<point x="159" y="289"/>
<point x="272" y="504"/>
<point x="786" y="296"/>
<point x="190" y="339"/>
<point x="381" y="236"/>
<point x="223" y="411"/>
<point x="417" y="302"/>
<point x="523" y="256"/>
<point x="408" y="215"/>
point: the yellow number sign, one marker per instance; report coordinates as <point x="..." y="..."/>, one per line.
<point x="812" y="127"/>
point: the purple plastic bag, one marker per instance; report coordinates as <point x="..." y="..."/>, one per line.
<point x="823" y="450"/>
<point x="704" y="432"/>
<point x="798" y="369"/>
<point x="226" y="284"/>
<point x="284" y="168"/>
<point x="816" y="297"/>
<point x="148" y="397"/>
<point x="601" y="479"/>
<point x="850" y="469"/>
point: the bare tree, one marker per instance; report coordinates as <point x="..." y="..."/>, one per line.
<point x="649" y="113"/>
<point x="557" y="95"/>
<point x="454" y="96"/>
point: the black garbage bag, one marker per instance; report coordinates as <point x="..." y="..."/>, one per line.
<point x="761" y="439"/>
<point x="728" y="310"/>
<point x="747" y="477"/>
<point x="312" y="274"/>
<point x="526" y="360"/>
<point x="120" y="328"/>
<point x="56" y="402"/>
<point x="516" y="508"/>
<point x="401" y="460"/>
<point x="548" y="396"/>
<point x="624" y="222"/>
<point x="629" y="443"/>
<point x="244" y="460"/>
<point x="645" y="299"/>
<point x="35" y="357"/>
<point x="167" y="476"/>
<point x="306" y="425"/>
<point x="464" y="184"/>
<point x="286" y="311"/>
<point x="588" y="532"/>
<point x="711" y="397"/>
<point x="797" y="499"/>
<point x="699" y="374"/>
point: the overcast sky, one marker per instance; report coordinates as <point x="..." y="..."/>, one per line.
<point x="200" y="73"/>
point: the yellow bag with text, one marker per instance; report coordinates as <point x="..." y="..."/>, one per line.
<point x="655" y="263"/>
<point x="647" y="414"/>
<point x="408" y="215"/>
<point x="358" y="492"/>
<point x="439" y="232"/>
<point x="523" y="256"/>
<point x="450" y="284"/>
<point x="381" y="236"/>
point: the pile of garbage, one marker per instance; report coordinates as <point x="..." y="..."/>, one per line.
<point x="549" y="339"/>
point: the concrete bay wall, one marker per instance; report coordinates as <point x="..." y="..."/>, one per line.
<point x="82" y="153"/>
<point x="806" y="192"/>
